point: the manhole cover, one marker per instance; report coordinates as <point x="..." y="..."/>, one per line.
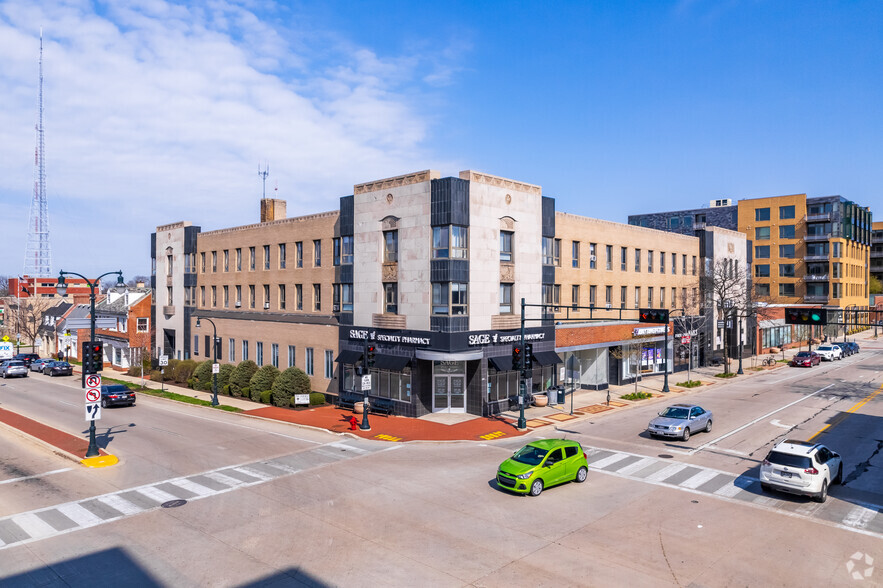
<point x="174" y="503"/>
<point x="665" y="456"/>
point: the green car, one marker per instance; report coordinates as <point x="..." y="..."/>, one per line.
<point x="543" y="463"/>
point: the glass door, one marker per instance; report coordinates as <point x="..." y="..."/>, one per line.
<point x="440" y="397"/>
<point x="449" y="386"/>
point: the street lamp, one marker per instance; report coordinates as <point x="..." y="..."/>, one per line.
<point x="61" y="288"/>
<point x="214" y="358"/>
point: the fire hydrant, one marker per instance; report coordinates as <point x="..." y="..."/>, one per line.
<point x="354" y="424"/>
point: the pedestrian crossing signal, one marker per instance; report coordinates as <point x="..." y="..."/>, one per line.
<point x="653" y="315"/>
<point x="806" y="316"/>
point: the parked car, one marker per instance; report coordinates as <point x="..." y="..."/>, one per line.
<point x="27" y="358"/>
<point x="58" y="368"/>
<point x="115" y="395"/>
<point x="541" y="464"/>
<point x="806" y="359"/>
<point x="845" y="348"/>
<point x="37" y="364"/>
<point x="829" y="351"/>
<point x="680" y="420"/>
<point x="13" y="367"/>
<point x="801" y="467"/>
<point x="854" y="346"/>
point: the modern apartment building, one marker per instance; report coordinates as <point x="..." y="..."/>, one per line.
<point x="876" y="265"/>
<point x="719" y="213"/>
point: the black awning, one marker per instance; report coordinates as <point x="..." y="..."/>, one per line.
<point x="546" y="357"/>
<point x="503" y="363"/>
<point x="391" y="362"/>
<point x="349" y="356"/>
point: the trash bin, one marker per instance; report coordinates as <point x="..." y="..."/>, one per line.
<point x="552" y="393"/>
<point x="561" y="394"/>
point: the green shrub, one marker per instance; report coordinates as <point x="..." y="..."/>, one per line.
<point x="289" y="383"/>
<point x="246" y="392"/>
<point x="240" y="377"/>
<point x="156" y="375"/>
<point x="224" y="377"/>
<point x="135" y="369"/>
<point x="183" y="370"/>
<point x="226" y="389"/>
<point x="725" y="375"/>
<point x="262" y="380"/>
<point x="317" y="398"/>
<point x="202" y="376"/>
<point x="266" y="395"/>
<point x="636" y="396"/>
<point x="689" y="384"/>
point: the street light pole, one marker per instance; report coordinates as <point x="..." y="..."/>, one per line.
<point x="741" y="348"/>
<point x="214" y="358"/>
<point x="522" y="385"/>
<point x="61" y="288"/>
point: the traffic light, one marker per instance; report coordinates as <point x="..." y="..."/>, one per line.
<point x="517" y="356"/>
<point x="653" y="315"/>
<point x="93" y="357"/>
<point x="370" y="351"/>
<point x="806" y="316"/>
<point x="87" y="357"/>
<point x="528" y="356"/>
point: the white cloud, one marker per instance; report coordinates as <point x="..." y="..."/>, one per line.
<point x="156" y="112"/>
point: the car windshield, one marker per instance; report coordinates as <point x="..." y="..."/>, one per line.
<point x="675" y="412"/>
<point x="802" y="354"/>
<point x="15" y="363"/>
<point x="787" y="459"/>
<point x="116" y="388"/>
<point x="530" y="455"/>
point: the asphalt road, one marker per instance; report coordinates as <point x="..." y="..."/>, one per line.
<point x="269" y="503"/>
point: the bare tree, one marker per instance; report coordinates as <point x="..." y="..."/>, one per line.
<point x="26" y="315"/>
<point x="633" y="353"/>
<point x="4" y="286"/>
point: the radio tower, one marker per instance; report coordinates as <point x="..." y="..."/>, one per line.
<point x="38" y="261"/>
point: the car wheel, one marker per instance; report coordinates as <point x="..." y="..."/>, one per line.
<point x="708" y="426"/>
<point x="103" y="403"/>
<point x="764" y="487"/>
<point x="839" y="478"/>
<point x="686" y="435"/>
<point x="537" y="487"/>
<point x="822" y="496"/>
<point x="582" y="474"/>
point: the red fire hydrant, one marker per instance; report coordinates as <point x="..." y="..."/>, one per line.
<point x="354" y="424"/>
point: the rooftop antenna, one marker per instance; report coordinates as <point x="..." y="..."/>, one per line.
<point x="263" y="175"/>
<point x="37" y="255"/>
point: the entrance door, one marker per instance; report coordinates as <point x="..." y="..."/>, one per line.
<point x="449" y="386"/>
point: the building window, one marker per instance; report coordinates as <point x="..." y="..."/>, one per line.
<point x="292" y="354"/>
<point x="281" y="296"/>
<point x="674" y="263"/>
<point x="317" y="253"/>
<point x="391" y="298"/>
<point x="335" y="251"/>
<point x="309" y="361"/>
<point x="623" y="258"/>
<point x="317" y="297"/>
<point x="574" y="296"/>
<point x="786" y="251"/>
<point x="195" y="344"/>
<point x="226" y="296"/>
<point x="274" y="354"/>
<point x="762" y="289"/>
<point x="266" y="296"/>
<point x="281" y="255"/>
<point x="201" y="263"/>
<point x="505" y="298"/>
<point x="761" y="270"/>
<point x="214" y="261"/>
<point x="662" y="262"/>
<point x="298" y="297"/>
<point x="226" y="260"/>
<point x="299" y="254"/>
<point x="786" y="270"/>
<point x="450" y="242"/>
<point x="786" y="212"/>
<point x="214" y="295"/>
<point x="637" y="260"/>
<point x="650" y="261"/>
<point x="786" y="289"/>
<point x="623" y="295"/>
<point x="592" y="294"/>
<point x="694" y="265"/>
<point x="459" y="297"/>
<point x="238" y="259"/>
<point x="574" y="253"/>
<point x="593" y="247"/>
<point x="684" y="264"/>
<point x="266" y="257"/>
<point x="551" y="251"/>
<point x="762" y="234"/>
<point x="609" y="256"/>
<point x="251" y="258"/>
<point x="551" y="296"/>
<point x="251" y="296"/>
<point x="650" y="297"/>
<point x="608" y="296"/>
<point x="245" y="350"/>
<point x="506" y="245"/>
<point x="231" y="350"/>
<point x="761" y="251"/>
<point x="259" y="353"/>
<point x="836" y="253"/>
<point x="346" y="297"/>
<point x="761" y="214"/>
<point x="329" y="364"/>
<point x="637" y="297"/>
<point x="674" y="297"/>
<point x="391" y="246"/>
<point x="347" y="247"/>
<point x="238" y="296"/>
<point x="142" y="325"/>
<point x="201" y="295"/>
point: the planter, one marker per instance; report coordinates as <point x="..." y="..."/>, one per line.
<point x="358" y="407"/>
<point x="775" y="350"/>
<point x="540" y="400"/>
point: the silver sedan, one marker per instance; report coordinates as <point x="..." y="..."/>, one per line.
<point x="680" y="420"/>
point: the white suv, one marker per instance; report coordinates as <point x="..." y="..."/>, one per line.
<point x="829" y="352"/>
<point x="801" y="467"/>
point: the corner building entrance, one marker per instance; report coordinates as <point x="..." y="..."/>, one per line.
<point x="449" y="386"/>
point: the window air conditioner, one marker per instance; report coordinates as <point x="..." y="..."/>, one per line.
<point x="238" y="304"/>
<point x="591" y="258"/>
<point x="335" y="308"/>
<point x="609" y="305"/>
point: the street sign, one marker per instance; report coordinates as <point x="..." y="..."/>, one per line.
<point x="93" y="381"/>
<point x="301" y="398"/>
<point x="366" y="382"/>
<point x="93" y="411"/>
<point x="92" y="395"/>
<point x="216" y="368"/>
<point x="86" y="323"/>
<point x="685" y="339"/>
<point x="6" y="337"/>
<point x="720" y="324"/>
<point x="163" y="360"/>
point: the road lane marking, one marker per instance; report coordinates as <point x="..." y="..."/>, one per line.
<point x="666" y="472"/>
<point x="10" y="481"/>
<point x="33" y="525"/>
<point x="859" y="517"/>
<point x="757" y="420"/>
<point x="156" y="494"/>
<point x="855" y="407"/>
<point x="698" y="479"/>
<point x="635" y="467"/>
<point x="79" y="515"/>
<point x="776" y="423"/>
<point x="120" y="504"/>
<point x="601" y="463"/>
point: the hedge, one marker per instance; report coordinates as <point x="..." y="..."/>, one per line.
<point x="182" y="371"/>
<point x="262" y="380"/>
<point x="224" y="377"/>
<point x="265" y="396"/>
<point x="240" y="377"/>
<point x="289" y="383"/>
<point x="202" y="376"/>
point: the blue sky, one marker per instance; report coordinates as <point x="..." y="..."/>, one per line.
<point x="158" y="111"/>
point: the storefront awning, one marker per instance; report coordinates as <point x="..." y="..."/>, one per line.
<point x="502" y="363"/>
<point x="546" y="358"/>
<point x="443" y="356"/>
<point x="391" y="362"/>
<point x="349" y="356"/>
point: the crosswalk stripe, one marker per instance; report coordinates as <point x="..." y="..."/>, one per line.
<point x="666" y="472"/>
<point x="729" y="490"/>
<point x="859" y="517"/>
<point x="632" y="468"/>
<point x="121" y="504"/>
<point x="224" y="479"/>
<point x="256" y="473"/>
<point x="79" y="515"/>
<point x="197" y="489"/>
<point x="156" y="494"/>
<point x="698" y="479"/>
<point x="33" y="525"/>
<point x="601" y="463"/>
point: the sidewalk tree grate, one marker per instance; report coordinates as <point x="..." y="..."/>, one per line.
<point x="559" y="417"/>
<point x="534" y="423"/>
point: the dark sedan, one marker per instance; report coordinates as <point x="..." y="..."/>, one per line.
<point x="58" y="368"/>
<point x="116" y="395"/>
<point x="854" y="346"/>
<point x="806" y="359"/>
<point x="846" y="348"/>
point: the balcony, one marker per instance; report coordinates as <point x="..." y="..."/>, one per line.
<point x="817" y="238"/>
<point x="820" y="217"/>
<point x="815" y="278"/>
<point x="816" y="299"/>
<point x="815" y="257"/>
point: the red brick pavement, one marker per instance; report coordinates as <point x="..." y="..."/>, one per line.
<point x="59" y="439"/>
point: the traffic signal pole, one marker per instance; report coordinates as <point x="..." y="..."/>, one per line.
<point x="522" y="386"/>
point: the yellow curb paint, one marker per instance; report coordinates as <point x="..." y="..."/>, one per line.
<point x="387" y="437"/>
<point x="101" y="461"/>
<point x="857" y="406"/>
<point x="493" y="435"/>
